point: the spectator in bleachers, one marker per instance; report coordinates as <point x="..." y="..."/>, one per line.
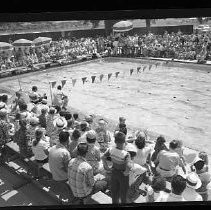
<point x="31" y="128"/>
<point x="169" y="161"/>
<point x="83" y="129"/>
<point x="103" y="135"/>
<point x="159" y="145"/>
<point x="49" y="121"/>
<point x="22" y="139"/>
<point x="74" y="141"/>
<point x="178" y="185"/>
<point x="193" y="183"/>
<point x="89" y="120"/>
<point x="43" y="118"/>
<point x="156" y="190"/>
<point x="40" y="146"/>
<point x="81" y="178"/>
<point x="59" y="124"/>
<point x="205" y="177"/>
<point x="137" y="175"/>
<point x="93" y="153"/>
<point x="59" y="158"/>
<point x="120" y="169"/>
<point x="143" y="156"/>
<point x="58" y="97"/>
<point x="69" y="127"/>
<point x="4" y="132"/>
<point x="76" y="119"/>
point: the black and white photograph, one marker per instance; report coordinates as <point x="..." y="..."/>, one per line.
<point x="105" y="111"/>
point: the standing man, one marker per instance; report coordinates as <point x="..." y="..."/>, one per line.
<point x="58" y="96"/>
<point x="59" y="158"/>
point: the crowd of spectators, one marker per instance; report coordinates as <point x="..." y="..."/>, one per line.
<point x="169" y="45"/>
<point x="85" y="157"/>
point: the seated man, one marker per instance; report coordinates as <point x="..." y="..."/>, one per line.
<point x="178" y="185"/>
<point x="80" y="176"/>
<point x="169" y="161"/>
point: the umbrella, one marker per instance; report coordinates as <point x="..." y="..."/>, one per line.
<point x="22" y="42"/>
<point x="122" y="26"/>
<point x="42" y="40"/>
<point x="5" y="46"/>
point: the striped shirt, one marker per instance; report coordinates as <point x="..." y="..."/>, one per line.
<point x="80" y="177"/>
<point x="119" y="158"/>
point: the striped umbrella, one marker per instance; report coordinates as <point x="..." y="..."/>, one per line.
<point x="22" y="42"/>
<point x="41" y="40"/>
<point x="123" y="26"/>
<point x="5" y="46"/>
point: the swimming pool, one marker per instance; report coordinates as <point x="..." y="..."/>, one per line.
<point x="173" y="100"/>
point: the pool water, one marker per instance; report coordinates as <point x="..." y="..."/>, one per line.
<point x="174" y="101"/>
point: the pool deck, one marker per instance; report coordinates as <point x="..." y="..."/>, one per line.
<point x="190" y="153"/>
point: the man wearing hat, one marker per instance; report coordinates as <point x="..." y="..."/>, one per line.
<point x="59" y="124"/>
<point x="193" y="183"/>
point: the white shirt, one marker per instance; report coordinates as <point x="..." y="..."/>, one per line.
<point x="170" y="198"/>
<point x="209" y="191"/>
<point x="135" y="172"/>
<point x="38" y="150"/>
<point x="142" y="154"/>
<point x="190" y="194"/>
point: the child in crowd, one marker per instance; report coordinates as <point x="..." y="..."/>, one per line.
<point x="103" y="135"/>
<point x="43" y="118"/>
<point x="156" y="189"/>
<point x="200" y="168"/>
<point x="137" y="175"/>
<point x="121" y="166"/>
<point x="159" y="145"/>
<point x="121" y="121"/>
<point x="49" y="121"/>
<point x="144" y="151"/>
<point x="74" y="141"/>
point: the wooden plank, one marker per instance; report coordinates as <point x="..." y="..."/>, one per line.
<point x="101" y="198"/>
<point x="46" y="167"/>
<point x="13" y="146"/>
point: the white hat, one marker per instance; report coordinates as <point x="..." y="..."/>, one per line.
<point x="60" y="122"/>
<point x="193" y="181"/>
<point x="91" y="134"/>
